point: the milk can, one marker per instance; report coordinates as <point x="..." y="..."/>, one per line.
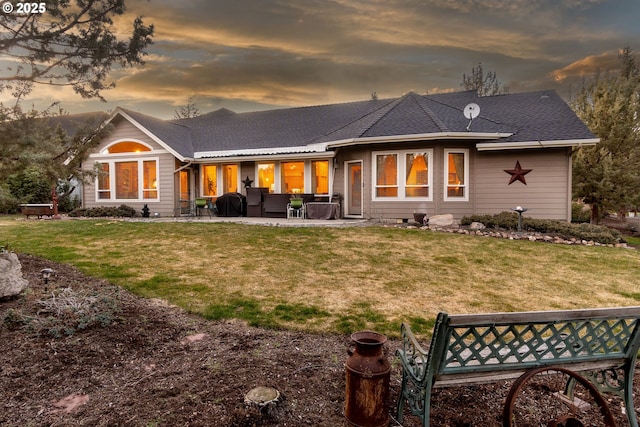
<point x="367" y="381"/>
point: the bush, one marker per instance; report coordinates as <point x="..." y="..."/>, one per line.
<point x="66" y="312"/>
<point x="580" y="213"/>
<point x="29" y="186"/>
<point x="509" y="221"/>
<point x="105" y="211"/>
<point x="8" y="202"/>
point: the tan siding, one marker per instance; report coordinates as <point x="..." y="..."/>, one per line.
<point x="546" y="193"/>
<point x="126" y="130"/>
<point x="166" y="162"/>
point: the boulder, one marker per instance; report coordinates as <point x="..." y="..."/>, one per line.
<point x="11" y="280"/>
<point x="445" y="220"/>
<point x="477" y="226"/>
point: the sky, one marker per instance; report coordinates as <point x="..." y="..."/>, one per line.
<point x="248" y="55"/>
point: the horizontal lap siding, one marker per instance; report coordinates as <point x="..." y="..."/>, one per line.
<point x="545" y="195"/>
<point x="166" y="167"/>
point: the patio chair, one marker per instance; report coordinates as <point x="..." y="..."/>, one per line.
<point x="295" y="208"/>
<point x="203" y="204"/>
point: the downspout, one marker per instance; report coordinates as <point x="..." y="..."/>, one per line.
<point x="189" y="163"/>
<point x="570" y="186"/>
<point x="332" y="173"/>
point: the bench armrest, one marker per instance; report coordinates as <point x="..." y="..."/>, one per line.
<point x="414" y="358"/>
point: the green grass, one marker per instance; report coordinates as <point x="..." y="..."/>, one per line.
<point x="331" y="279"/>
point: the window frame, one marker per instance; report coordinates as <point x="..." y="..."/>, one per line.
<point x="274" y="175"/>
<point x="401" y="178"/>
<point x="313" y="178"/>
<point x="220" y="178"/>
<point x="308" y="172"/>
<point x="128" y="158"/>
<point x="465" y="183"/>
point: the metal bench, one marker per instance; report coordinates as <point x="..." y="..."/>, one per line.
<point x="38" y="209"/>
<point x="600" y="344"/>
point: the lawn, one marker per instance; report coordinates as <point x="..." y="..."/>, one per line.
<point x="323" y="279"/>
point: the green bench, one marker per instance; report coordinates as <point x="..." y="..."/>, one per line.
<point x="600" y="344"/>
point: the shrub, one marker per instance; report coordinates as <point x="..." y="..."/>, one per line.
<point x="66" y="312"/>
<point x="29" y="186"/>
<point x="8" y="202"/>
<point x="105" y="211"/>
<point x="126" y="211"/>
<point x="579" y="213"/>
<point x="509" y="221"/>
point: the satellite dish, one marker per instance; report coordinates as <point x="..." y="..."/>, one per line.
<point x="471" y="111"/>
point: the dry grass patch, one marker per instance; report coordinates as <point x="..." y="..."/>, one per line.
<point x="332" y="279"/>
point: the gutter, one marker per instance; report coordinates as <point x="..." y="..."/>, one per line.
<point x="305" y="151"/>
<point x="496" y="146"/>
<point x="418" y="137"/>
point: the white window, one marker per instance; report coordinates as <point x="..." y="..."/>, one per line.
<point x="128" y="180"/>
<point x="456" y="175"/>
<point x="403" y="175"/>
<point x="127" y="174"/>
<point x="295" y="176"/>
<point x="218" y="179"/>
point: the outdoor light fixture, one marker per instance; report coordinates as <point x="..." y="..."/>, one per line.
<point x="520" y="211"/>
<point x="46" y="274"/>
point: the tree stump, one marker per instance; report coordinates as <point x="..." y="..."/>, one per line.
<point x="263" y="398"/>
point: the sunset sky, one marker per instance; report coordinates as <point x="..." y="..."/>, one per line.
<point x="256" y="54"/>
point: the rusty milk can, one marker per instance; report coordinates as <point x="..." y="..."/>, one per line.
<point x="367" y="381"/>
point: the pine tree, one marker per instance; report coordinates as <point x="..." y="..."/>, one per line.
<point x="69" y="43"/>
<point x="605" y="176"/>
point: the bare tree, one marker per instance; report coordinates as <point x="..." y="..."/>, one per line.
<point x="188" y="111"/>
<point x="486" y="85"/>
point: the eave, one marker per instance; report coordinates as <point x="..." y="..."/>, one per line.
<point x="521" y="145"/>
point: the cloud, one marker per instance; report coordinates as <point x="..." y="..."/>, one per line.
<point x="285" y="53"/>
<point x="587" y="66"/>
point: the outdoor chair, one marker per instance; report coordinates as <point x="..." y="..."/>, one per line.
<point x="203" y="204"/>
<point x="295" y="208"/>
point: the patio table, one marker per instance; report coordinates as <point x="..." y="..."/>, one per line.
<point x="322" y="210"/>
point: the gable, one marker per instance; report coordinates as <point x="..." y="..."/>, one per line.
<point x="123" y="130"/>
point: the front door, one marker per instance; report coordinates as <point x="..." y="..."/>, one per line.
<point x="353" y="180"/>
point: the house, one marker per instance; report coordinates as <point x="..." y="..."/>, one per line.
<point x="385" y="159"/>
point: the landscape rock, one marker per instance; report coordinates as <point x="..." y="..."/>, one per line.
<point x="445" y="220"/>
<point x="477" y="226"/>
<point x="11" y="280"/>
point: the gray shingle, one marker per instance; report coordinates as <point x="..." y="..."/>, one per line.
<point x="529" y="116"/>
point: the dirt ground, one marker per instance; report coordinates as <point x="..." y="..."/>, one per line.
<point x="136" y="362"/>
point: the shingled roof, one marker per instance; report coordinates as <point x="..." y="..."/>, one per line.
<point x="504" y="121"/>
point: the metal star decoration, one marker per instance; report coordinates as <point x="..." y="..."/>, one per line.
<point x="517" y="173"/>
<point x="247" y="182"/>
